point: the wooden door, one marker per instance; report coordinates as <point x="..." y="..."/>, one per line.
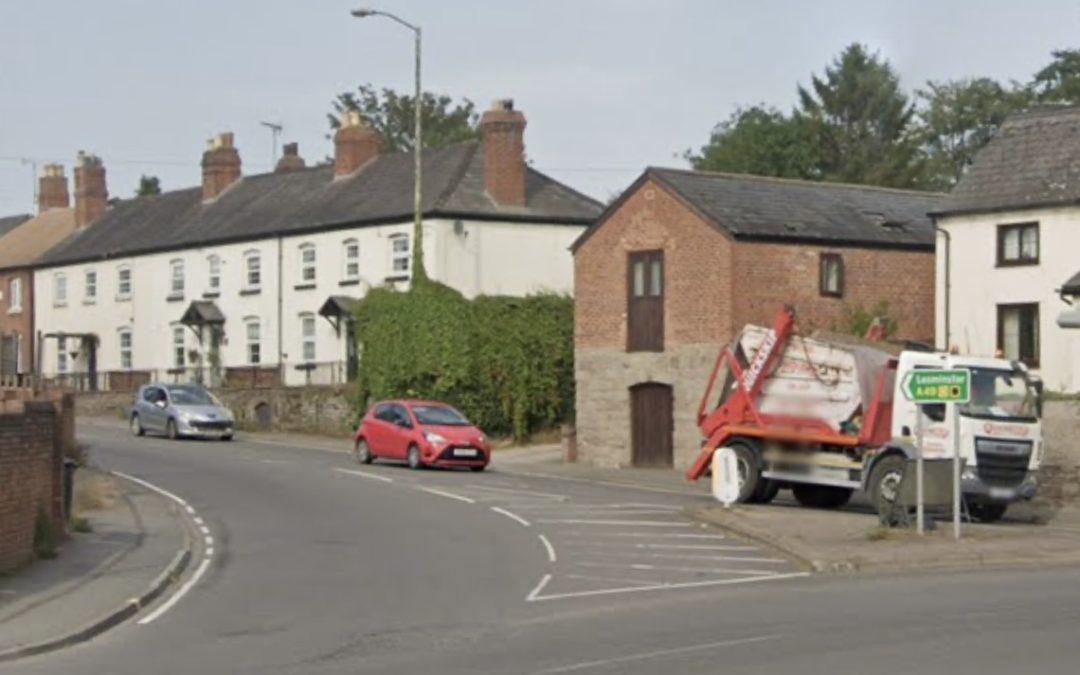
<point x="651" y="424"/>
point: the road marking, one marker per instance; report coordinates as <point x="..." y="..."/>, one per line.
<point x="572" y="534"/>
<point x="448" y="495"/>
<point x="679" y="556"/>
<point x="156" y="489"/>
<point x="198" y="521"/>
<point x="584" y="665"/>
<point x="514" y="491"/>
<point x="632" y="523"/>
<point x="632" y="486"/>
<point x="661" y="547"/>
<point x="510" y="515"/>
<point x="643" y="567"/>
<point x="536" y="597"/>
<point x="549" y="547"/>
<point x="535" y="593"/>
<point x="365" y="474"/>
<point x="581" y="512"/>
<point x="209" y="541"/>
<point x="618" y="580"/>
<point x="210" y="552"/>
<point x="179" y="594"/>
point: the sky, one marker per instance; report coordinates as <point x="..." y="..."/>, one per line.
<point x="609" y="87"/>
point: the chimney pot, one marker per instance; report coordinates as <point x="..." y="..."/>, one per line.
<point x="290" y="159"/>
<point x="91" y="195"/>
<point x="502" y="130"/>
<point x="220" y="166"/>
<point x="53" y="189"/>
<point x="355" y="144"/>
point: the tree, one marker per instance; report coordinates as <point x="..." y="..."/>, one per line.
<point x="758" y="140"/>
<point x="956" y="119"/>
<point x="391" y="115"/>
<point x="1059" y="82"/>
<point x="859" y="122"/>
<point x="148" y="186"/>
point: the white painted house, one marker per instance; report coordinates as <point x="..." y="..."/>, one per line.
<point x="252" y="279"/>
<point x="1008" y="249"/>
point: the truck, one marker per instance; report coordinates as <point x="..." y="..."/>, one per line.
<point x="825" y="418"/>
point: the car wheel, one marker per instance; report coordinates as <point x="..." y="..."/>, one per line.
<point x="136" y="426"/>
<point x="987" y="512"/>
<point x="478" y="469"/>
<point x="821" y="496"/>
<point x="414" y="458"/>
<point x="363" y="452"/>
<point x="227" y="437"/>
<point x="170" y="430"/>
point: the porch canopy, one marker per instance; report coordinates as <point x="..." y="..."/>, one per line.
<point x="200" y="314"/>
<point x="338" y="308"/>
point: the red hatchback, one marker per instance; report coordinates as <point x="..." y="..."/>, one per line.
<point x="423" y="433"/>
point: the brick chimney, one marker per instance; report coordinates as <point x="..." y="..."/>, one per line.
<point x="91" y="197"/>
<point x="53" y="189"/>
<point x="355" y="144"/>
<point x="220" y="166"/>
<point x="290" y="159"/>
<point x="502" y="130"/>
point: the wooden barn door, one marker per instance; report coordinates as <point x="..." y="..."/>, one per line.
<point x="652" y="425"/>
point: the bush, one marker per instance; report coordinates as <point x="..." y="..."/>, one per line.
<point x="45" y="537"/>
<point x="857" y="319"/>
<point x="507" y="363"/>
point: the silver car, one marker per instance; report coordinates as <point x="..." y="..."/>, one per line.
<point x="180" y="411"/>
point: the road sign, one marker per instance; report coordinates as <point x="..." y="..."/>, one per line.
<point x="938" y="386"/>
<point x="725" y="476"/>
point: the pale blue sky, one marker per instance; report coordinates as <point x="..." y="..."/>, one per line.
<point x="608" y="86"/>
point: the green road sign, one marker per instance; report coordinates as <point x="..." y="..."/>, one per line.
<point x="938" y="386"/>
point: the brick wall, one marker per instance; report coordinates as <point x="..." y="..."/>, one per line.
<point x="19" y="323"/>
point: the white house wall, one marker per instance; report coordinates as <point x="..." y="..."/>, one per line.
<point x="978" y="286"/>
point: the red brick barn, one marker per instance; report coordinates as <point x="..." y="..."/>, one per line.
<point x="682" y="260"/>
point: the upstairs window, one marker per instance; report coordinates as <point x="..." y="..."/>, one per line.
<point x="254" y="345"/>
<point x="176" y="279"/>
<point x="90" y="286"/>
<point x="125" y="348"/>
<point x="123" y="283"/>
<point x="307" y="333"/>
<point x="645" y="301"/>
<point x="252" y="271"/>
<point x="60" y="289"/>
<point x="400" y="255"/>
<point x="15" y="295"/>
<point x="352" y="260"/>
<point x="213" y="264"/>
<point x="831" y="283"/>
<point x="307" y="264"/>
<point x="1018" y="244"/>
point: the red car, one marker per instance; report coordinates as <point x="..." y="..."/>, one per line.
<point x="423" y="433"/>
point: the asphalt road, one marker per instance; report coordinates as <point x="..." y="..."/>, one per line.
<point x="318" y="565"/>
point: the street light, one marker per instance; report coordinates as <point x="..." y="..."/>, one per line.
<point x="418" y="146"/>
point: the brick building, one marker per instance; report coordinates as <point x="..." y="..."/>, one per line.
<point x="682" y="260"/>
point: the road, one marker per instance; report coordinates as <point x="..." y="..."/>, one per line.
<point x="314" y="564"/>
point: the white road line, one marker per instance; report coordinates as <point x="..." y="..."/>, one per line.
<point x="586" y="513"/>
<point x="448" y="495"/>
<point x="573" y="534"/>
<point x="210" y="552"/>
<point x="515" y="491"/>
<point x="623" y="545"/>
<point x="198" y="520"/>
<point x="535" y="593"/>
<point x="618" y="580"/>
<point x="179" y="594"/>
<point x="536" y="597"/>
<point x="365" y="474"/>
<point x="510" y="515"/>
<point x="631" y="523"/>
<point x="584" y="665"/>
<point x="156" y="489"/>
<point x="209" y="541"/>
<point x="632" y="486"/>
<point x="549" y="547"/>
<point x="642" y="567"/>
<point x="683" y="556"/>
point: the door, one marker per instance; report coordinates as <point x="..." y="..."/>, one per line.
<point x="651" y="425"/>
<point x="377" y="430"/>
<point x="400" y="435"/>
<point x="152" y="409"/>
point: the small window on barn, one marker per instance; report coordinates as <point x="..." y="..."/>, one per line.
<point x="645" y="300"/>
<point x="832" y="275"/>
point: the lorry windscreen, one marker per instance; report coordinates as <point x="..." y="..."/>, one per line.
<point x="1001" y="394"/>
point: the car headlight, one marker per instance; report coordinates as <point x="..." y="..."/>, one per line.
<point x="186" y="416"/>
<point x="434" y="438"/>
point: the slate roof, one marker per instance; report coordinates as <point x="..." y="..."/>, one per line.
<point x="1032" y="161"/>
<point x="24" y="244"/>
<point x="774" y="209"/>
<point x="311" y="200"/>
<point x="9" y="223"/>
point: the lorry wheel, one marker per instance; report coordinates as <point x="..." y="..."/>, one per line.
<point x="771" y="489"/>
<point x="821" y="496"/>
<point x="987" y="512"/>
<point x="748" y="458"/>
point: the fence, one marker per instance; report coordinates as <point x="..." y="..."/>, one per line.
<point x="234" y="377"/>
<point x="323" y="373"/>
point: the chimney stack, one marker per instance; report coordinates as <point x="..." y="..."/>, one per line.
<point x="290" y="159"/>
<point x="502" y="130"/>
<point x="355" y="144"/>
<point x="220" y="166"/>
<point x="53" y="189"/>
<point x="91" y="197"/>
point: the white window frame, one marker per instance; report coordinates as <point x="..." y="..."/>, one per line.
<point x="404" y="255"/>
<point x="121" y="293"/>
<point x="90" y="289"/>
<point x="307" y="337"/>
<point x="15" y="293"/>
<point x="61" y="355"/>
<point x="179" y="346"/>
<point x="60" y="284"/>
<point x="249" y="342"/>
<point x="126" y="352"/>
<point x="176" y="278"/>
<point x="213" y="266"/>
<point x="252" y="256"/>
<point x="308" y="267"/>
<point x="351" y="266"/>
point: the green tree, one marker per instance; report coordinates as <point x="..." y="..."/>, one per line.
<point x="1059" y="82"/>
<point x="956" y="119"/>
<point x="758" y="140"/>
<point x="148" y="186"/>
<point x="859" y="122"/>
<point x="391" y="115"/>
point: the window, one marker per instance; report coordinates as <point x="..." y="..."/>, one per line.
<point x="15" y="293"/>
<point x="645" y="299"/>
<point x="178" y="346"/>
<point x="307" y="332"/>
<point x="352" y="259"/>
<point x="176" y="282"/>
<point x="60" y="289"/>
<point x="1018" y="332"/>
<point x="214" y="281"/>
<point x="252" y="270"/>
<point x="61" y="355"/>
<point x="831" y="283"/>
<point x="400" y="255"/>
<point x="1018" y="244"/>
<point x="254" y="353"/>
<point x="125" y="348"/>
<point x="307" y="264"/>
<point x="123" y="283"/>
<point x="90" y="286"/>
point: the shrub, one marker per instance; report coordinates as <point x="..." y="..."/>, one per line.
<point x="45" y="537"/>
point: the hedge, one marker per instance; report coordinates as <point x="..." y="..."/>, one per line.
<point x="506" y="363"/>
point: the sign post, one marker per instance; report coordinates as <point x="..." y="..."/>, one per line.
<point x="725" y="476"/>
<point x="949" y="386"/>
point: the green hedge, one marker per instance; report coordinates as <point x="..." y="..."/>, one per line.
<point x="507" y="363"/>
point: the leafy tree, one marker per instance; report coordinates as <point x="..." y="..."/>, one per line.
<point x="956" y="119"/>
<point x="1059" y="82"/>
<point x="859" y="121"/>
<point x="148" y="186"/>
<point x="758" y="140"/>
<point x="391" y="115"/>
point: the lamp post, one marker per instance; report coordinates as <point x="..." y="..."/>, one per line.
<point x="418" y="146"/>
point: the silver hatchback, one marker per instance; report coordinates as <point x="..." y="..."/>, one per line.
<point x="180" y="411"/>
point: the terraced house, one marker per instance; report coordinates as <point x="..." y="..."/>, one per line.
<point x="250" y="280"/>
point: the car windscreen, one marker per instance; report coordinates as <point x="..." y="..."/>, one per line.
<point x="191" y="396"/>
<point x="1001" y="394"/>
<point x="439" y="415"/>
